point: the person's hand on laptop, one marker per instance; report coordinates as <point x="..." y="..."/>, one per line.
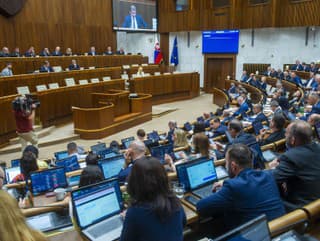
<point x="217" y="186"/>
<point x="274" y="163"/>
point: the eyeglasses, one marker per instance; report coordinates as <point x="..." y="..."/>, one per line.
<point x="1" y="177"/>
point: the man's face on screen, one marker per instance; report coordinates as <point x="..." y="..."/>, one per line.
<point x="133" y="11"/>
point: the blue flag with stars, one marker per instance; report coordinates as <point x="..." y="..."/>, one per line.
<point x="174" y="54"/>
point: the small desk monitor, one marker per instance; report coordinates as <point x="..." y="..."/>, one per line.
<point x="70" y="163"/>
<point x="127" y="141"/>
<point x="160" y="151"/>
<point x="61" y="155"/>
<point x="111" y="166"/>
<point x="98" y="147"/>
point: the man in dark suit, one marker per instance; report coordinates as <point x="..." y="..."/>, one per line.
<point x="133" y="20"/>
<point x="109" y="51"/>
<point x="295" y="79"/>
<point x="277" y="131"/>
<point x="275" y="107"/>
<point x="235" y="129"/>
<point x="305" y="67"/>
<point x="46" y="67"/>
<point x="217" y="128"/>
<point x="57" y="52"/>
<point x="297" y="66"/>
<point x="74" y="65"/>
<point x="30" y="52"/>
<point x="298" y="170"/>
<point x="246" y="195"/>
<point x="120" y="51"/>
<point x="92" y="51"/>
<point x="243" y="106"/>
<point x="16" y="52"/>
<point x="313" y="67"/>
<point x="45" y="52"/>
<point x="259" y="116"/>
<point x="5" y="52"/>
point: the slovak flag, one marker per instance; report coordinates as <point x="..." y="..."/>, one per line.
<point x="158" y="57"/>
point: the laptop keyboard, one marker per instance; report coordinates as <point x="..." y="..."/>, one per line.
<point x="203" y="192"/>
<point x="106" y="227"/>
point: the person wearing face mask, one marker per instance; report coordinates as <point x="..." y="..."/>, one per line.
<point x="136" y="150"/>
<point x="247" y="194"/>
<point x="297" y="171"/>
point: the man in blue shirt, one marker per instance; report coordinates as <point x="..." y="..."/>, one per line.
<point x="136" y="150"/>
<point x="246" y="195"/>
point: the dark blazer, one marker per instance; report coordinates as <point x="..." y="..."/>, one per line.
<point x="244" y="78"/>
<point x="297" y="67"/>
<point x="243" y="198"/>
<point x="43" y="53"/>
<point x="140" y="22"/>
<point x="46" y="69"/>
<point x="299" y="168"/>
<point x="73" y="67"/>
<point x="92" y="53"/>
<point x="108" y="53"/>
<point x="242" y="109"/>
<point x="29" y="54"/>
<point x="143" y="224"/>
<point x="296" y="80"/>
<point x="314" y="69"/>
<point x="273" y="137"/>
<point x="261" y="118"/>
<point x="54" y="53"/>
<point x="221" y="130"/>
<point x="313" y="83"/>
<point x="15" y="54"/>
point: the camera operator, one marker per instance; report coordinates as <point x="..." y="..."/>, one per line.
<point x="24" y="113"/>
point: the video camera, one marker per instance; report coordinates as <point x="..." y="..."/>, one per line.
<point x="25" y="103"/>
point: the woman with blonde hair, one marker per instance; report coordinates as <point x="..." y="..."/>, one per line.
<point x="180" y="138"/>
<point x="13" y="225"/>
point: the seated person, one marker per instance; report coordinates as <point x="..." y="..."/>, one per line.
<point x="7" y="71"/>
<point x="276" y="132"/>
<point x="45" y="52"/>
<point x="275" y="107"/>
<point x="297" y="171"/>
<point x="305" y="67"/>
<point x="268" y="72"/>
<point x="180" y="138"/>
<point x="16" y="52"/>
<point x="121" y="51"/>
<point x="297" y="66"/>
<point x="74" y="65"/>
<point x="91" y="174"/>
<point x="244" y="76"/>
<point x="5" y="52"/>
<point x="207" y="119"/>
<point x="57" y="51"/>
<point x="92" y="51"/>
<point x="285" y="76"/>
<point x="28" y="164"/>
<point x="247" y="194"/>
<point x="233" y="91"/>
<point x="140" y="72"/>
<point x="217" y="128"/>
<point x="73" y="150"/>
<point x="136" y="150"/>
<point x="172" y="126"/>
<point x="155" y="212"/>
<point x="280" y="90"/>
<point x="313" y="67"/>
<point x="30" y="52"/>
<point x="314" y="102"/>
<point x="311" y="82"/>
<point x="263" y="83"/>
<point x="68" y="52"/>
<point x="254" y="82"/>
<point x="314" y="119"/>
<point x="13" y="223"/>
<point x="109" y="51"/>
<point x="92" y="159"/>
<point x="295" y="98"/>
<point x="273" y="73"/>
<point x="201" y="146"/>
<point x="141" y="135"/>
<point x="46" y="67"/>
<point x="35" y="151"/>
<point x="199" y="127"/>
<point x="241" y="110"/>
<point x="249" y="78"/>
<point x="295" y="79"/>
<point x="258" y="114"/>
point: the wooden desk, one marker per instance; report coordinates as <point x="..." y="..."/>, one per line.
<point x="24" y="65"/>
<point x="167" y="88"/>
<point x="219" y="97"/>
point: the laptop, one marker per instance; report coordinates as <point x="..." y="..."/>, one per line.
<point x="160" y="151"/>
<point x="70" y="163"/>
<point x="198" y="176"/>
<point x="11" y="173"/>
<point x="98" y="147"/>
<point x="111" y="166"/>
<point x="73" y="180"/>
<point x="106" y="153"/>
<point x="15" y="163"/>
<point x="149" y="143"/>
<point x="47" y="180"/>
<point x="153" y="136"/>
<point x="127" y="141"/>
<point x="269" y="155"/>
<point x="50" y="221"/>
<point x="97" y="208"/>
<point x="256" y="229"/>
<point x="61" y="155"/>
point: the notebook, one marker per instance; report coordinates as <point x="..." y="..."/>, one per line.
<point x="11" y="173"/>
<point x="70" y="163"/>
<point x="15" y="163"/>
<point x="97" y="208"/>
<point x="127" y="141"/>
<point x="153" y="136"/>
<point x="198" y="176"/>
<point x="106" y="153"/>
<point x="47" y="180"/>
<point x="160" y="151"/>
<point x="111" y="166"/>
<point x="61" y="155"/>
<point x="98" y="147"/>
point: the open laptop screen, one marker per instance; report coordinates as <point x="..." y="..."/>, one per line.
<point x="15" y="163"/>
<point x="111" y="166"/>
<point x="48" y="180"/>
<point x="70" y="163"/>
<point x="127" y="141"/>
<point x="97" y="202"/>
<point x="160" y="151"/>
<point x="256" y="229"/>
<point x="61" y="155"/>
<point x="153" y="136"/>
<point x="98" y="147"/>
<point x="106" y="153"/>
<point x="201" y="173"/>
<point x="11" y="173"/>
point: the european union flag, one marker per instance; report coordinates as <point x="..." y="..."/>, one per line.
<point x="174" y="54"/>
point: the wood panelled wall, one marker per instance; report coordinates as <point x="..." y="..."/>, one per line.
<point x="238" y="14"/>
<point x="77" y="24"/>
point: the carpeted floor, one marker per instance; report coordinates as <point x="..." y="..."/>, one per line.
<point x="180" y="111"/>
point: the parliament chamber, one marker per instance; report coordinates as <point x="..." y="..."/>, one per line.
<point x="150" y="102"/>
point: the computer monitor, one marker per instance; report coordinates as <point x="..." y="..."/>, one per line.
<point x="127" y="141"/>
<point x="73" y="180"/>
<point x="106" y="153"/>
<point x="61" y="155"/>
<point x="11" y="173"/>
<point x="111" y="166"/>
<point x="149" y="143"/>
<point x="70" y="163"/>
<point x="153" y="136"/>
<point x="256" y="229"/>
<point x="48" y="180"/>
<point x="200" y="119"/>
<point x="15" y="163"/>
<point x="160" y="151"/>
<point x="98" y="147"/>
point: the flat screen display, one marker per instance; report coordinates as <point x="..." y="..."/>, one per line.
<point x="138" y="15"/>
<point x="220" y="41"/>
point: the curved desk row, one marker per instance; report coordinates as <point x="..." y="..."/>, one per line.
<point x="24" y="65"/>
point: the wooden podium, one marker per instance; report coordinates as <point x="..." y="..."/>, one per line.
<point x="112" y="112"/>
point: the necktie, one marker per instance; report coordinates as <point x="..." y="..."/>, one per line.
<point x="134" y="22"/>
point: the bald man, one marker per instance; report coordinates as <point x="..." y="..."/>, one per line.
<point x="136" y="150"/>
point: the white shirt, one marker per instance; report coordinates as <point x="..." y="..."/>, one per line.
<point x="134" y="23"/>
